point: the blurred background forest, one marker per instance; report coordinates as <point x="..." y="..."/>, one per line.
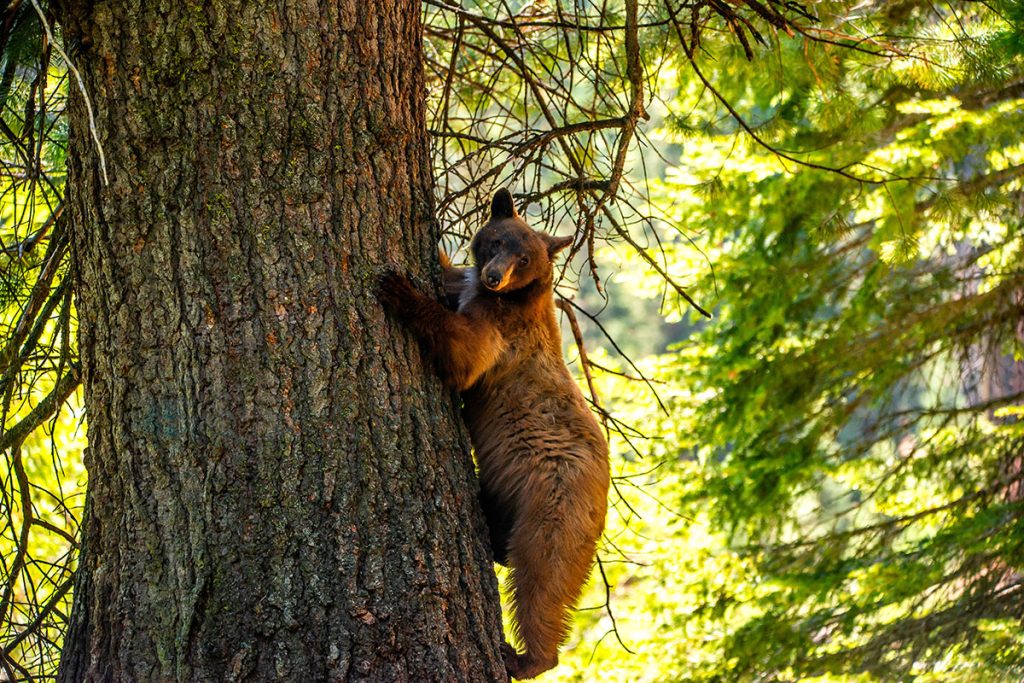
<point x="822" y="481"/>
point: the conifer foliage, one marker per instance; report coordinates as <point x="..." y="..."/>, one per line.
<point x="859" y="417"/>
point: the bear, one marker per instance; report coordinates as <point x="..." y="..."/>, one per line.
<point x="542" y="458"/>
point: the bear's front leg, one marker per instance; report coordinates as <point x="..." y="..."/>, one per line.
<point x="462" y="345"/>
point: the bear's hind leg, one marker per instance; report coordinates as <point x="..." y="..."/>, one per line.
<point x="550" y="565"/>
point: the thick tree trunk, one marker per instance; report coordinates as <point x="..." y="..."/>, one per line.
<point x="278" y="489"/>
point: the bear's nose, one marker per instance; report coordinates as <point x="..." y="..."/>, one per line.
<point x="493" y="279"/>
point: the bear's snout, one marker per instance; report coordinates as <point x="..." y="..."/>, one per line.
<point x="494" y="277"/>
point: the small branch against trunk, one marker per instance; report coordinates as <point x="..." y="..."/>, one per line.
<point x="54" y="529"/>
<point x="25" y="493"/>
<point x="81" y="88"/>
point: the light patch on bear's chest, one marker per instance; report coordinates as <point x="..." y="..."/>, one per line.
<point x="469" y="291"/>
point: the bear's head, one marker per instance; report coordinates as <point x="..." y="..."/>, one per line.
<point x="508" y="254"/>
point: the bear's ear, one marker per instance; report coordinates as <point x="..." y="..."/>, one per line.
<point x="557" y="244"/>
<point x="502" y="206"/>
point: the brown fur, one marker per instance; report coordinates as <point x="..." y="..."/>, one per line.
<point x="542" y="458"/>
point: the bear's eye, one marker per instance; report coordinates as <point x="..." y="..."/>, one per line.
<point x="495" y="245"/>
<point x="524" y="261"/>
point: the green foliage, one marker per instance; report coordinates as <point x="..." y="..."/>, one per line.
<point x="854" y="406"/>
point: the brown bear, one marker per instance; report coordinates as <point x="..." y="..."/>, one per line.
<point x="543" y="461"/>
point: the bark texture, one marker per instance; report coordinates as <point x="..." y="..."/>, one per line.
<point x="278" y="488"/>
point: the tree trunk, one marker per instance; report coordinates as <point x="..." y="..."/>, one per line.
<point x="278" y="488"/>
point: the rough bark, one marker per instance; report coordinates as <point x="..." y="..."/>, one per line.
<point x="278" y="488"/>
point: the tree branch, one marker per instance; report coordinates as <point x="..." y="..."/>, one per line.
<point x="43" y="410"/>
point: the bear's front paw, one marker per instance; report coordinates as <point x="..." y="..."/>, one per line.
<point x="396" y="293"/>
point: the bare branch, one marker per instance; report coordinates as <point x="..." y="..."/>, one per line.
<point x="563" y="304"/>
<point x="43" y="410"/>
